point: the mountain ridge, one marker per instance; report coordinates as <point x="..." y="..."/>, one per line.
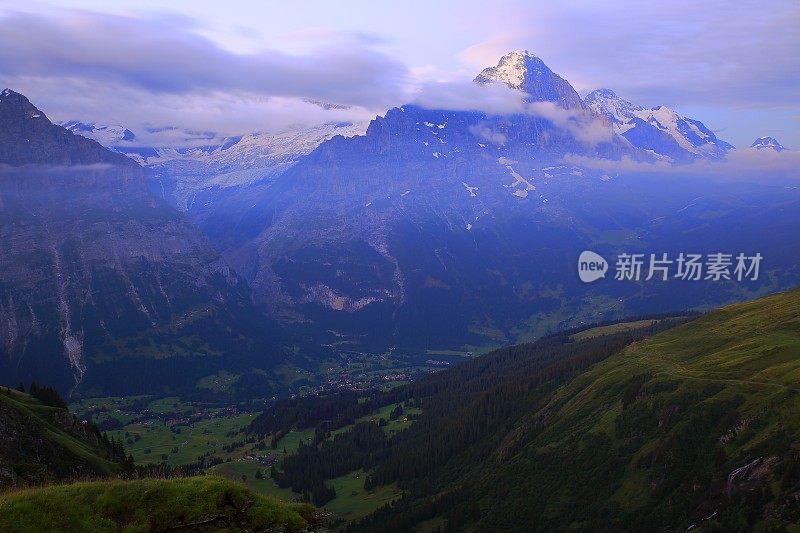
<point x="659" y="129"/>
<point x="101" y="277"/>
<point x="467" y="187"/>
<point x="28" y="137"/>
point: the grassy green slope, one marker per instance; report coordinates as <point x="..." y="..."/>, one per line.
<point x="194" y="504"/>
<point x="47" y="442"/>
<point x="648" y="437"/>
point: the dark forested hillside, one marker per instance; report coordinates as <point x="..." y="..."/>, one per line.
<point x="41" y="441"/>
<point x="697" y="425"/>
<point x="660" y="426"/>
<point x="466" y="413"/>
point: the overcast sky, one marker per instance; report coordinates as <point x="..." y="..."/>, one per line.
<point x="236" y="66"/>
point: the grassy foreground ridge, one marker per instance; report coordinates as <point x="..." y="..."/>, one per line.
<point x="206" y="503"/>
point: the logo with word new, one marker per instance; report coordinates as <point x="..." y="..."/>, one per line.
<point x="717" y="267"/>
<point x="591" y="266"/>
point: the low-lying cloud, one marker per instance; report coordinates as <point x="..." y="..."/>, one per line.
<point x="583" y="125"/>
<point x="748" y="164"/>
<point x="484" y="132"/>
<point x="491" y="98"/>
<point x="497" y="99"/>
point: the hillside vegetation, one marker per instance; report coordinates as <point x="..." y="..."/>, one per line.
<point x="650" y="426"/>
<point x="697" y="426"/>
<point x="192" y="504"/>
<point x="451" y="423"/>
<point x="41" y="443"/>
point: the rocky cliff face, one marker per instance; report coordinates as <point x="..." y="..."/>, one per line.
<point x="102" y="284"/>
<point x="413" y="167"/>
<point x="28" y="137"/>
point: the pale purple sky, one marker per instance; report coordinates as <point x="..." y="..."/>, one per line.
<point x="236" y="66"/>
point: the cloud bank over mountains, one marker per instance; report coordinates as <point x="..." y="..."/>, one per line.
<point x="150" y="70"/>
<point x="165" y="56"/>
<point x="747" y="164"/>
<point x="123" y="69"/>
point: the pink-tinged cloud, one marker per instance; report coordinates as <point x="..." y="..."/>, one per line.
<point x="164" y="55"/>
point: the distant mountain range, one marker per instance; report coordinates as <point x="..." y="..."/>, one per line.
<point x="442" y="229"/>
<point x="209" y="163"/>
<point x="200" y="169"/>
<point x="660" y="130"/>
<point x="433" y="230"/>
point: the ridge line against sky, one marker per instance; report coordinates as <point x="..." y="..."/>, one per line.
<point x="237" y="67"/>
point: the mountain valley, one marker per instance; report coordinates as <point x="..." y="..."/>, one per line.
<point x="376" y="267"/>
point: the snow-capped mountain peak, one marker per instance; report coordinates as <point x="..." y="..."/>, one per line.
<point x="606" y="102"/>
<point x="524" y="71"/>
<point x="512" y="69"/>
<point x="659" y="129"/>
<point x="196" y="161"/>
<point x="767" y="143"/>
<point x="107" y="135"/>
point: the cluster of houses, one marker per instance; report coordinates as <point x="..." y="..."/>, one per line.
<point x="197" y="416"/>
<point x="266" y="460"/>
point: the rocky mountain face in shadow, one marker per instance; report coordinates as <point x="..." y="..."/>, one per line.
<point x="103" y="286"/>
<point x="460" y="229"/>
<point x="28" y="137"/>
